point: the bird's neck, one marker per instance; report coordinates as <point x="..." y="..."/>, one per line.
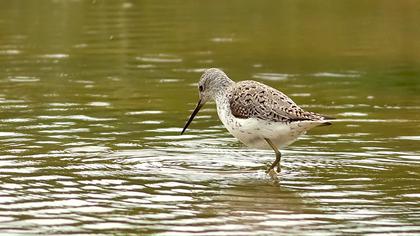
<point x="223" y="107"/>
<point x="222" y="99"/>
<point x="221" y="94"/>
<point x="224" y="86"/>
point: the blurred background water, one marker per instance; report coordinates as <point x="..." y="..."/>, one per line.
<point x="93" y="96"/>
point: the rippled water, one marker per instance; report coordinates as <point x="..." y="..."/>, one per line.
<point x="94" y="95"/>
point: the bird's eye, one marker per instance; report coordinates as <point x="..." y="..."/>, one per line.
<point x="201" y="88"/>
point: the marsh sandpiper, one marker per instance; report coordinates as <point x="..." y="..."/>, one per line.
<point x="258" y="115"/>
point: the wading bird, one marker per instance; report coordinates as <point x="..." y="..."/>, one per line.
<point x="258" y="115"/>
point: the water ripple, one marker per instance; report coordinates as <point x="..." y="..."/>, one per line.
<point x="91" y="116"/>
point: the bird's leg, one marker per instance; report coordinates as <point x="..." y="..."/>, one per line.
<point x="278" y="156"/>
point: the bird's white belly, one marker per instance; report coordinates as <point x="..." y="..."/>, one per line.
<point x="253" y="131"/>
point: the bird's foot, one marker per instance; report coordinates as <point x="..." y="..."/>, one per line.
<point x="271" y="169"/>
<point x="273" y="174"/>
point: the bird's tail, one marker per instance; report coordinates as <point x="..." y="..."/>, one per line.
<point x="326" y="119"/>
<point x="326" y="123"/>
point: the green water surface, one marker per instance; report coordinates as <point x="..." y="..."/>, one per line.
<point x="93" y="96"/>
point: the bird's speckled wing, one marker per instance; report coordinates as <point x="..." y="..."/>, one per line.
<point x="251" y="99"/>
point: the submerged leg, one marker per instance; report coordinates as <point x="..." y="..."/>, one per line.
<point x="278" y="156"/>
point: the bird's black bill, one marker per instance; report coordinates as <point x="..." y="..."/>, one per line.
<point x="197" y="108"/>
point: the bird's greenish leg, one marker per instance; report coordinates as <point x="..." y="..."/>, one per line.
<point x="278" y="156"/>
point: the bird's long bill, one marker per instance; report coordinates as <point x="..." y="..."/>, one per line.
<point x="197" y="108"/>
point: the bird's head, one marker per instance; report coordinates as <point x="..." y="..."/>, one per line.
<point x="212" y="82"/>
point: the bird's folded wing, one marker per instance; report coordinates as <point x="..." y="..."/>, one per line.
<point x="251" y="99"/>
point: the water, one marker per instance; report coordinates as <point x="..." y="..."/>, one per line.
<point x="94" y="95"/>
